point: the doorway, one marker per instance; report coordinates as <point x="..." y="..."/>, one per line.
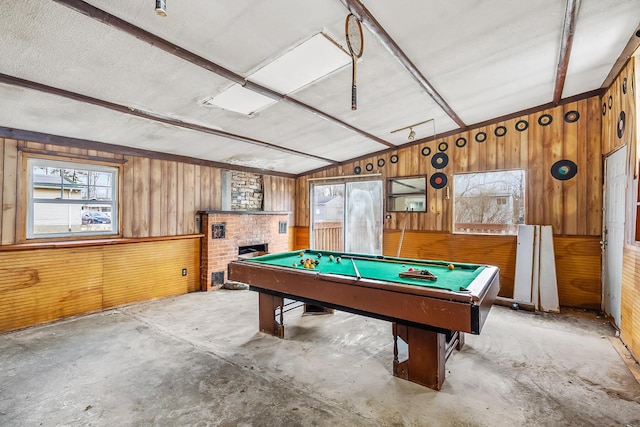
<point x="347" y="217"/>
<point x="613" y="217"/>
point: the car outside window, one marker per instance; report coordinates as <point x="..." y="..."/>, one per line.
<point x="70" y="198"/>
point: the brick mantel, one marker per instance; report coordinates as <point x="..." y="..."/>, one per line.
<point x="241" y="229"/>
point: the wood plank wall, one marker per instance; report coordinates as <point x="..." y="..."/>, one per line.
<point x="572" y="207"/>
<point x="41" y="285"/>
<point x="159" y="198"/>
<point x="630" y="310"/>
<point x="626" y="102"/>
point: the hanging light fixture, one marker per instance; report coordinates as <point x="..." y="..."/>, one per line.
<point x="161" y="7"/>
<point x="412" y="134"/>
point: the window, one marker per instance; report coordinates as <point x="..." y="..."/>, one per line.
<point x="489" y="202"/>
<point x="69" y="198"/>
<point x="407" y="194"/>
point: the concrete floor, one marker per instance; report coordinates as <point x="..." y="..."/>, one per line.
<point x="198" y="360"/>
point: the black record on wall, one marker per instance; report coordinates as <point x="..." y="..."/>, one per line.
<point x="481" y="137"/>
<point x="610" y="103"/>
<point x="381" y="162"/>
<point x="522" y="125"/>
<point x="393" y="158"/>
<point x="500" y="131"/>
<point x="357" y="170"/>
<point x="438" y="180"/>
<point x="564" y="170"/>
<point x="604" y="109"/>
<point x="621" y="122"/>
<point x="439" y="160"/>
<point x="624" y="85"/>
<point x="461" y="142"/>
<point x="545" y="120"/>
<point x="426" y="151"/>
<point x="369" y="167"/>
<point x="443" y="146"/>
<point x="571" y="116"/>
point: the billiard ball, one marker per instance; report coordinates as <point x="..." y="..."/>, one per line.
<point x="330" y="257"/>
<point x="316" y="262"/>
<point x="319" y="255"/>
<point x="301" y="262"/>
<point x="338" y="259"/>
<point x="410" y="269"/>
<point x="301" y="254"/>
<point x="450" y="267"/>
<point x="294" y="264"/>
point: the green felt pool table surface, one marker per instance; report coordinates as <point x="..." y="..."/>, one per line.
<point x="385" y="269"/>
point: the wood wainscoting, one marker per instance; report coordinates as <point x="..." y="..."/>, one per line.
<point x="630" y="314"/>
<point x="42" y="283"/>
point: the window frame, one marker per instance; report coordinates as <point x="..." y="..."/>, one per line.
<point x="524" y="203"/>
<point x="78" y="164"/>
<point x="390" y="196"/>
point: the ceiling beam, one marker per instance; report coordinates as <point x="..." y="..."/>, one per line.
<point x="27" y="84"/>
<point x="158" y="42"/>
<point x="632" y="45"/>
<point x="45" y="138"/>
<point x="568" y="31"/>
<point x="363" y="14"/>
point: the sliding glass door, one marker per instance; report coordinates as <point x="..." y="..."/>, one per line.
<point x="347" y="217"/>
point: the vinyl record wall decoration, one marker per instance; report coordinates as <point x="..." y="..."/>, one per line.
<point x="564" y="170"/>
<point x="621" y="122"/>
<point x="438" y="180"/>
<point x="522" y="125"/>
<point x="439" y="160"/>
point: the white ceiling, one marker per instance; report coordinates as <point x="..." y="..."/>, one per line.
<point x="485" y="58"/>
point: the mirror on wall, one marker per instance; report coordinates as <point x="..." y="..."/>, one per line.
<point x="407" y="194"/>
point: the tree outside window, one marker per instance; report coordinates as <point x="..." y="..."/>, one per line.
<point x="489" y="202"/>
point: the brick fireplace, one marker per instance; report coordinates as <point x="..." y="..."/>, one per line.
<point x="228" y="231"/>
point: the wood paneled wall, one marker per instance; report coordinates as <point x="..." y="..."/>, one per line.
<point x="572" y="207"/>
<point x="158" y="198"/>
<point x="630" y="310"/>
<point x="41" y="285"/>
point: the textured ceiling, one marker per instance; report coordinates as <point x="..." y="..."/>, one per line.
<point x="62" y="61"/>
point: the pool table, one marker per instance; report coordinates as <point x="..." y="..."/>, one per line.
<point x="429" y="317"/>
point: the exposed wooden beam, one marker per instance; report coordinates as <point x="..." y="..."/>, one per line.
<point x="16" y="81"/>
<point x="358" y="9"/>
<point x="158" y="42"/>
<point x="632" y="45"/>
<point x="45" y="138"/>
<point x="568" y="31"/>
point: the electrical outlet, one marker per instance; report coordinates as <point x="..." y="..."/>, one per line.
<point x="184" y="271"/>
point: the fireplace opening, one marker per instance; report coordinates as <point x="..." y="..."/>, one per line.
<point x="252" y="250"/>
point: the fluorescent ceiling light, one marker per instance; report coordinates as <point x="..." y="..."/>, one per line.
<point x="306" y="63"/>
<point x="238" y="99"/>
<point x="302" y="65"/>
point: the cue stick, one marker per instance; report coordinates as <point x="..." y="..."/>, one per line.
<point x="414" y="262"/>
<point x="404" y="224"/>
<point x="358" y="276"/>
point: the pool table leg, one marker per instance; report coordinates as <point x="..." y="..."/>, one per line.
<point x="426" y="356"/>
<point x="270" y="314"/>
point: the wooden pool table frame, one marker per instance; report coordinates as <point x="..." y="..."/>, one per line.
<point x="425" y="318"/>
